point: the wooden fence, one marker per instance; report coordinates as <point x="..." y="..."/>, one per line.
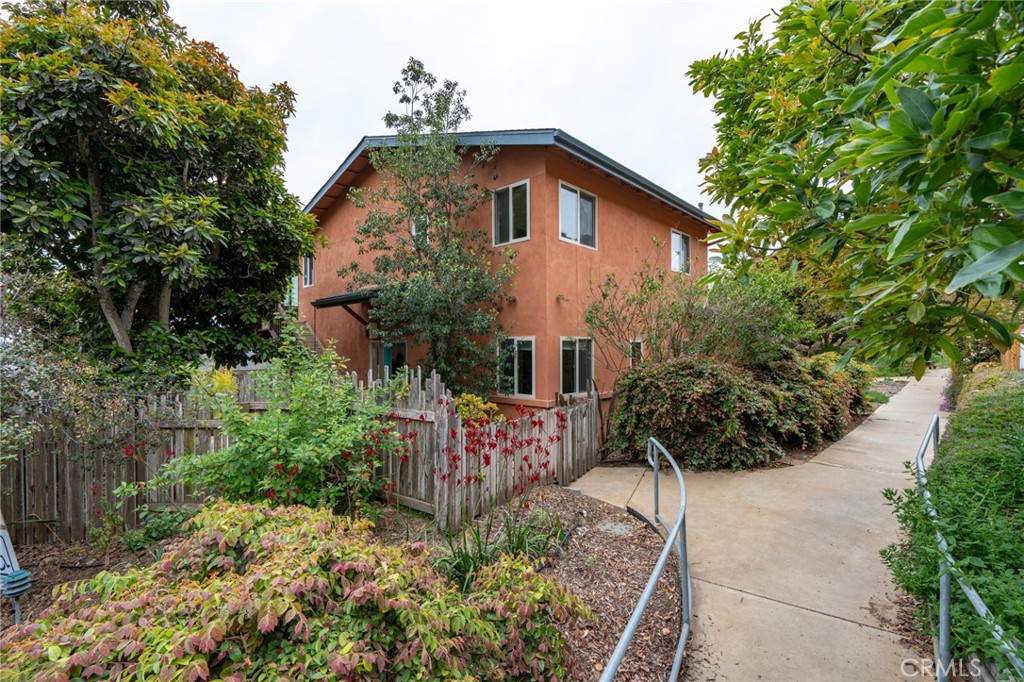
<point x="458" y="470"/>
<point x="54" y="489"/>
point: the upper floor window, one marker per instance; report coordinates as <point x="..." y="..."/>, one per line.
<point x="577" y="216"/>
<point x="515" y="367"/>
<point x="419" y="230"/>
<point x="512" y="213"/>
<point x="680" y="252"/>
<point x="307" y="271"/>
<point x="577" y="365"/>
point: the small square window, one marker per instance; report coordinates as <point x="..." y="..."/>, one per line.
<point x="512" y="213"/>
<point x="577" y="216"/>
<point x="307" y="271"/>
<point x="577" y="365"/>
<point x="680" y="252"/>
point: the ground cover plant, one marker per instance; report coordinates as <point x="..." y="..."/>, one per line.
<point x="977" y="486"/>
<point x="257" y="592"/>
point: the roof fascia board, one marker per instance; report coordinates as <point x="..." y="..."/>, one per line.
<point x="584" y="151"/>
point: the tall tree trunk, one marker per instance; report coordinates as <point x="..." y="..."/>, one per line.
<point x="120" y="322"/>
<point x="163" y="306"/>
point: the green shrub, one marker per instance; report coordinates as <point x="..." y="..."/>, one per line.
<point x="714" y="415"/>
<point x="528" y="535"/>
<point x="708" y="414"/>
<point x="317" y="443"/>
<point x="265" y="594"/>
<point x="977" y="486"/>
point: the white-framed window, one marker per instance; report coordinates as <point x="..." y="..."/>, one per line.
<point x="516" y="367"/>
<point x="680" y="252"/>
<point x="577" y="216"/>
<point x="577" y="365"/>
<point x="418" y="230"/>
<point x="511" y="213"/>
<point x="636" y="353"/>
<point x="307" y="271"/>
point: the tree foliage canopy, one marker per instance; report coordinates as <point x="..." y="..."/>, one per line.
<point x="881" y="143"/>
<point x="135" y="162"/>
<point x="432" y="270"/>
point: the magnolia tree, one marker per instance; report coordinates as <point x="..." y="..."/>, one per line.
<point x="880" y="142"/>
<point x="135" y="163"/>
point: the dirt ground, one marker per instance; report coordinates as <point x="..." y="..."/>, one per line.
<point x="54" y="565"/>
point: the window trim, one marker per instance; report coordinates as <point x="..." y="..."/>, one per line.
<point x="634" y="365"/>
<point x="577" y="241"/>
<point x="515" y="369"/>
<point x="689" y="253"/>
<point x="576" y="361"/>
<point x="494" y="214"/>
<point x="310" y="271"/>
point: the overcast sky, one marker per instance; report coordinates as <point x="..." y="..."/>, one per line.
<point x="611" y="74"/>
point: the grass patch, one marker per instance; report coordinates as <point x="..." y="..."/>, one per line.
<point x="875" y="396"/>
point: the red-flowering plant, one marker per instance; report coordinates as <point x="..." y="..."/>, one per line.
<point x="519" y="451"/>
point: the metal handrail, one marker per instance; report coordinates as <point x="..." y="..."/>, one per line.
<point x="676" y="539"/>
<point x="949" y="569"/>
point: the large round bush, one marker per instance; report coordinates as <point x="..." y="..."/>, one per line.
<point x="708" y="414"/>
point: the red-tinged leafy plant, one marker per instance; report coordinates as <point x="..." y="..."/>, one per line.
<point x="714" y="415"/>
<point x="317" y="443"/>
<point x="488" y="444"/>
<point x="263" y="593"/>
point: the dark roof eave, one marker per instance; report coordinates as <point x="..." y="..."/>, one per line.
<point x="361" y="296"/>
<point x="543" y="137"/>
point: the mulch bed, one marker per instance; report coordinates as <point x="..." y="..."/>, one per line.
<point x="605" y="561"/>
<point x="56" y="564"/>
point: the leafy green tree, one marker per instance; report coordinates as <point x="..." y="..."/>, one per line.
<point x="880" y="142"/>
<point x="135" y="163"/>
<point x="439" y="282"/>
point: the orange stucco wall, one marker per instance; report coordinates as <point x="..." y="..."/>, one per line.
<point x="553" y="283"/>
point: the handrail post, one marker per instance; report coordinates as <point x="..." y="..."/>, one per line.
<point x="945" y="653"/>
<point x="674" y="540"/>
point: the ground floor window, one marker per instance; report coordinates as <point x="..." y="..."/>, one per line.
<point x="515" y="367"/>
<point x="636" y="353"/>
<point x="393" y="356"/>
<point x="577" y="365"/>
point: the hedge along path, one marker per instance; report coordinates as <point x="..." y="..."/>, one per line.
<point x="56" y="485"/>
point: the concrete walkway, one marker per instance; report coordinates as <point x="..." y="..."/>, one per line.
<point x="787" y="580"/>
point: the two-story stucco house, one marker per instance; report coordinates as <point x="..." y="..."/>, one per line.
<point x="573" y="214"/>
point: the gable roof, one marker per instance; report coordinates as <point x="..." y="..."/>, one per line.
<point x="359" y="160"/>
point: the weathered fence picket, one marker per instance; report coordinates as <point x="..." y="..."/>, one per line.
<point x="53" y="490"/>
